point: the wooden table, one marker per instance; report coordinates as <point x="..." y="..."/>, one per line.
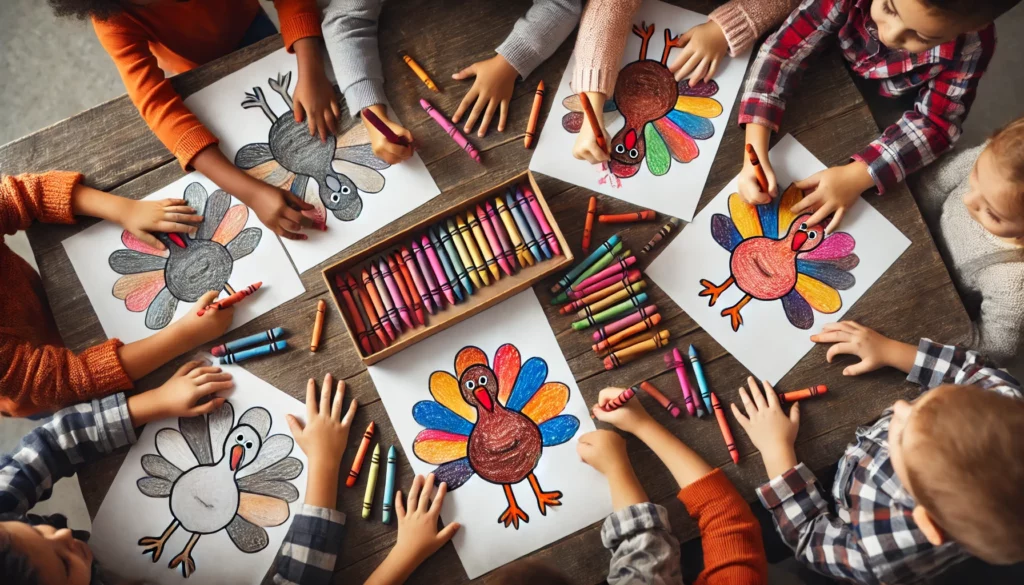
<point x="117" y="152"/>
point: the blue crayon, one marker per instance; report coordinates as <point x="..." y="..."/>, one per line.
<point x="389" y="485"/>
<point x="446" y="264"/>
<point x="238" y="344"/>
<point x="579" y="268"/>
<point x="534" y="225"/>
<point x="524" y="227"/>
<point x="449" y="247"/>
<point x="698" y="372"/>
<point x="234" y="358"/>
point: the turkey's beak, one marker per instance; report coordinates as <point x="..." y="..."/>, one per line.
<point x="484" y="399"/>
<point x="177" y="239"/>
<point x="798" y="240"/>
<point x="236" y="456"/>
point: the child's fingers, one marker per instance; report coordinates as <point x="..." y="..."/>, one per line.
<point x="196" y="373"/>
<point x="325" y="395"/>
<point x="339" y="400"/>
<point x="336" y="110"/>
<point x="474" y="114"/>
<point x="184" y="208"/>
<point x="810" y="183"/>
<point x="435" y="506"/>
<point x="207" y="298"/>
<point x="424" y="500"/>
<point x="173" y="202"/>
<point x="687" y="69"/>
<point x="464" y="104"/>
<point x="503" y="116"/>
<point x="292" y="200"/>
<point x="310" y="399"/>
<point x="149" y="239"/>
<point x="467" y="72"/>
<point x="213" y="387"/>
<point x="748" y="404"/>
<point x="212" y="377"/>
<point x="206" y="407"/>
<point x="740" y="417"/>
<point x="712" y="69"/>
<point x="811" y="201"/>
<point x="840" y="349"/>
<point x="414" y="492"/>
<point x="700" y="71"/>
<point x="834" y="336"/>
<point x="836" y="219"/>
<point x="293" y="425"/>
<point x="827" y="208"/>
<point x="299" y="111"/>
<point x="485" y="123"/>
<point x="188" y="367"/>
<point x="330" y="121"/>
<point x="861" y="367"/>
<point x="771" y="398"/>
<point x="794" y="414"/>
<point x="399" y="507"/>
<point x="755" y="393"/>
<point x="351" y="414"/>
<point x="446" y="533"/>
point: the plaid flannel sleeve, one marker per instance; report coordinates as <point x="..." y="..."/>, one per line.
<point x="819" y="538"/>
<point x="644" y="552"/>
<point x="310" y="547"/>
<point x="783" y="58"/>
<point x="937" y="364"/>
<point x="75" y="435"/>
<point x="920" y="136"/>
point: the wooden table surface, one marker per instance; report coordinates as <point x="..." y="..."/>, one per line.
<point x="117" y="152"/>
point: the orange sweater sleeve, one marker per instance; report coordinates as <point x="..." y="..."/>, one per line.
<point x="730" y="535"/>
<point x="299" y="19"/>
<point x="149" y="89"/>
<point x="27" y="198"/>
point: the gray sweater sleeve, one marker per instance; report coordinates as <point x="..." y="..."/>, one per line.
<point x="997" y="331"/>
<point x="350" y="32"/>
<point x="536" y="35"/>
<point x="937" y="182"/>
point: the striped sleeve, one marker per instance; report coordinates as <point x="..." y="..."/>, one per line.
<point x="936" y="364"/>
<point x="310" y="548"/>
<point x="644" y="551"/>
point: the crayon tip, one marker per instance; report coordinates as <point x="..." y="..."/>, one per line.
<point x="692" y="351"/>
<point x="424" y="103"/>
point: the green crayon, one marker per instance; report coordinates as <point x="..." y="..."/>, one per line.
<point x="604" y="262"/>
<point x="611" y="312"/>
<point x="586" y="263"/>
<point x="371" y="481"/>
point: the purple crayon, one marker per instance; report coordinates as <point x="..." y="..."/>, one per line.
<point x="417" y="279"/>
<point x="507" y="251"/>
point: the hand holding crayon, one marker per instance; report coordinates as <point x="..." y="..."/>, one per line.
<point x="231" y="299"/>
<point x="390" y="142"/>
<point x="630" y="416"/>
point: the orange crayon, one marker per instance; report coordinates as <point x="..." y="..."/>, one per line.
<point x="723" y="424"/>
<point x="762" y="179"/>
<point x="804" y="394"/>
<point x="531" y="126"/>
<point x="232" y="299"/>
<point x="378" y="306"/>
<point x="635" y="329"/>
<point x="419" y="71"/>
<point x="645" y="215"/>
<point x="588" y="111"/>
<point x="663" y="400"/>
<point x="371" y="313"/>
<point x="357" y="463"/>
<point x="661" y="337"/>
<point x="318" y="325"/>
<point x="624" y="356"/>
<point x="589" y="225"/>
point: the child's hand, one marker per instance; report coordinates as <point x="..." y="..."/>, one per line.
<point x="832" y="191"/>
<point x="280" y="210"/>
<point x="703" y="48"/>
<point x="750" y="188"/>
<point x="495" y="80"/>
<point x="324" y="435"/>
<point x="196" y="330"/>
<point x="418" y="536"/>
<point x="143" y="218"/>
<point x="874" y="349"/>
<point x="771" y="431"/>
<point x="586" y="147"/>
<point x="603" y="450"/>
<point x="382" y="149"/>
<point x="629" y="417"/>
<point x="313" y="100"/>
<point x="181" y="395"/>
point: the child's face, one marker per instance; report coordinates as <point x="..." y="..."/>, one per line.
<point x="994" y="200"/>
<point x="912" y="26"/>
<point x="57" y="557"/>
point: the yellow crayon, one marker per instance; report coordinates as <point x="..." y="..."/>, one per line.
<point x="470" y="240"/>
<point x="485" y="248"/>
<point x="463" y="250"/>
<point x="524" y="257"/>
<point x="371" y="481"/>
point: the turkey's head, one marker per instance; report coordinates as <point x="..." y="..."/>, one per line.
<point x="803" y="238"/>
<point x="479" y="387"/>
<point x="242" y="446"/>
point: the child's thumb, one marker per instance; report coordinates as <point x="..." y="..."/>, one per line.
<point x="446" y="533"/>
<point x="467" y="72"/>
<point x="293" y="424"/>
<point x="794" y="414"/>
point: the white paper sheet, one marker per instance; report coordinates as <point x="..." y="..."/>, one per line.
<point x="677" y="191"/>
<point x="386" y="193"/>
<point x="128" y="515"/>
<point x="767" y="343"/>
<point x="483" y="543"/>
<point x="147" y="291"/>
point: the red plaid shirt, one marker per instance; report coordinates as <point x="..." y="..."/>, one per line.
<point x="947" y="76"/>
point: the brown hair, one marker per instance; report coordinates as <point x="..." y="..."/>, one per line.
<point x="1007" y="145"/>
<point x="966" y="468"/>
<point x="529" y="571"/>
<point x="979" y="13"/>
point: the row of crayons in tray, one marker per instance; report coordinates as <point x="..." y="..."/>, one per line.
<point x="371" y="475"/>
<point x="447" y="264"/>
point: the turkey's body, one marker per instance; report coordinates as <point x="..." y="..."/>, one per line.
<point x="645" y="91"/>
<point x="764" y="268"/>
<point x="205" y="498"/>
<point x="504" y="446"/>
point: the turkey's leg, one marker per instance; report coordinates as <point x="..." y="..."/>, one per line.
<point x="713" y="290"/>
<point x="513" y="514"/>
<point x="544" y="498"/>
<point x="155" y="545"/>
<point x="184" y="558"/>
<point x="645" y="33"/>
<point x="733" y="312"/>
<point x="670" y="41"/>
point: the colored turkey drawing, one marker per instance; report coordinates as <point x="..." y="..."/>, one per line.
<point x="156" y="280"/>
<point x="663" y="118"/>
<point x="775" y="256"/>
<point x="327" y="175"/>
<point x="494" y="420"/>
<point x="220" y="475"/>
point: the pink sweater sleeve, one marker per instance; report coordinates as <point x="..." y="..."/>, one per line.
<point x="744" y="21"/>
<point x="604" y="29"/>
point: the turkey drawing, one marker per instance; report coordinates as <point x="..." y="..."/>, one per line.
<point x="220" y="475"/>
<point x="494" y="420"/>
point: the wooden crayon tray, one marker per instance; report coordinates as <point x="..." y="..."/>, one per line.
<point x="480" y="300"/>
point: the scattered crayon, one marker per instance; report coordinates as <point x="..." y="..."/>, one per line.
<point x="661" y="337"/>
<point x="492" y="241"/>
<point x="318" y="325"/>
<point x="408" y="288"/>
<point x="231" y="299"/>
<point x="451" y="130"/>
<point x="612" y="299"/>
<point x="470" y="239"/>
<point x="351" y="313"/>
<point x="579" y="268"/>
<point x="531" y="126"/>
<point x="723" y="424"/>
<point x="245" y="354"/>
<point x="450" y="287"/>
<point x="369" y="311"/>
<point x="249" y="341"/>
<point x="619" y="401"/>
<point x="389" y="485"/>
<point x="611" y="312"/>
<point x="630" y="319"/>
<point x="595" y="127"/>
<point x="618" y="266"/>
<point x="381" y="127"/>
<point x="529" y="238"/>
<point x="507" y="251"/>
<point x="531" y="219"/>
<point x="545" y="227"/>
<point x="357" y="463"/>
<point x="675" y="361"/>
<point x="665" y="230"/>
<point x="484" y="244"/>
<point x="640" y="326"/>
<point x="463" y="250"/>
<point x="698" y="372"/>
<point x="804" y="394"/>
<point x="455" y="258"/>
<point x="663" y="400"/>
<point x="391" y="280"/>
<point x="378" y="306"/>
<point x="371" y="481"/>
<point x="428" y="274"/>
<point x="762" y="179"/>
<point x="588" y="226"/>
<point x="627" y="277"/>
<point x="645" y="215"/>
<point x="412" y="265"/>
<point x="624" y="356"/>
<point x="603" y="293"/>
<point x="419" y="71"/>
<point x="385" y="298"/>
<point x="600" y="264"/>
<point x="523" y="256"/>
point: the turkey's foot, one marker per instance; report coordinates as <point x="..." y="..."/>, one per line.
<point x="713" y="290"/>
<point x="184" y="558"/>
<point x="645" y="33"/>
<point x="155" y="546"/>
<point x="733" y="312"/>
<point x="513" y="514"/>
<point x="544" y="499"/>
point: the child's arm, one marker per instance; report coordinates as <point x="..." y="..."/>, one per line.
<point x="313" y="98"/>
<point x="310" y="547"/>
<point x="744" y="21"/>
<point x="998" y="330"/>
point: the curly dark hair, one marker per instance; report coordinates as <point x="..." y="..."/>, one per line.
<point x="14" y="566"/>
<point x="973" y="11"/>
<point x="82" y="9"/>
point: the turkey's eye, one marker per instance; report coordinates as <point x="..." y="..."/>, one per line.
<point x="346" y="190"/>
<point x="248" y="445"/>
<point x="803" y="227"/>
<point x="620" y="148"/>
<point x="335" y="198"/>
<point x="470" y="384"/>
<point x="482" y="381"/>
<point x="239" y="438"/>
<point x="812" y="235"/>
<point x="633" y="153"/>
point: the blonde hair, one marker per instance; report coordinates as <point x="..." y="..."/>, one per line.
<point x="1007" y="145"/>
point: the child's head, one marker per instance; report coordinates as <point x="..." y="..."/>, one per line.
<point x="996" y="197"/>
<point x="32" y="554"/>
<point x="101" y="9"/>
<point x="919" y="25"/>
<point x="957" y="450"/>
<point x="529" y="571"/>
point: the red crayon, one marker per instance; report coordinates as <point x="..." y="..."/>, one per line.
<point x="378" y="306"/>
<point x="357" y="463"/>
<point x="804" y="394"/>
<point x="589" y="225"/>
<point x="232" y="299"/>
<point x="402" y="289"/>
<point x="723" y="424"/>
<point x="630" y="319"/>
<point x="627" y="278"/>
<point x="762" y="179"/>
<point x="381" y="127"/>
<point x="621" y="265"/>
<point x="368" y="310"/>
<point x="352" y="314"/>
<point x="663" y="400"/>
<point x="619" y="401"/>
<point x="410" y="289"/>
<point x="645" y="215"/>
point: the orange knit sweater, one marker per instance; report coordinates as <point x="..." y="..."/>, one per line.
<point x="178" y="36"/>
<point x="730" y="535"/>
<point x="37" y="373"/>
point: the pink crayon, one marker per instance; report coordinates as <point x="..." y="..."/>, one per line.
<point x="545" y="227"/>
<point x="390" y="308"/>
<point x="396" y="293"/>
<point x="417" y="279"/>
<point x="428" y="275"/>
<point x="450" y="128"/>
<point x="507" y="251"/>
<point x="630" y="319"/>
<point x="492" y="241"/>
<point x="628" y="278"/>
<point x="619" y="267"/>
<point x="435" y="265"/>
<point x="675" y="360"/>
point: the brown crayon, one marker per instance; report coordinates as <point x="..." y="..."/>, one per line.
<point x="804" y="394"/>
<point x="661" y="336"/>
<point x="762" y="179"/>
<point x="378" y="306"/>
<point x="409" y="287"/>
<point x="611" y="300"/>
<point x="635" y="329"/>
<point x="663" y="400"/>
<point x="723" y="424"/>
<point x="318" y="325"/>
<point x="531" y="126"/>
<point x="353" y="316"/>
<point x="368" y="310"/>
<point x="665" y="230"/>
<point x="602" y="294"/>
<point x="595" y="127"/>
<point x="645" y="215"/>
<point x="357" y="463"/>
<point x="588" y="226"/>
<point x="624" y="356"/>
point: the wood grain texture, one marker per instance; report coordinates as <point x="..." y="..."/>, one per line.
<point x="116" y="151"/>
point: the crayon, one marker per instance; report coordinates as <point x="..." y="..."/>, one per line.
<point x="661" y="337"/>
<point x="804" y="394"/>
<point x="611" y="312"/>
<point x="492" y="241"/>
<point x="628" y="277"/>
<point x="630" y="319"/>
<point x="411" y="264"/>
<point x="451" y="130"/>
<point x="262" y="337"/>
<point x="369" y="311"/>
<point x="484" y="243"/>
<point x="451" y="280"/>
<point x="357" y="463"/>
<point x="419" y="71"/>
<point x="405" y="286"/>
<point x="618" y="266"/>
<point x="427" y="271"/>
<point x="619" y="401"/>
<point x="391" y="281"/>
<point x="531" y="126"/>
<point x="723" y="424"/>
<point x="603" y="294"/>
<point x="698" y="372"/>
<point x="470" y="240"/>
<point x="524" y="206"/>
<point x="595" y="127"/>
<point x="351" y="314"/>
<point x="602" y="263"/>
<point x="613" y="340"/>
<point x="524" y="257"/>
<point x="645" y="215"/>
<point x="245" y="354"/>
<point x="579" y="268"/>
<point x="231" y="299"/>
<point x="318" y="325"/>
<point x="455" y="257"/>
<point x="385" y="298"/>
<point x="378" y="305"/>
<point x="389" y="485"/>
<point x="529" y="239"/>
<point x="371" y="481"/>
<point x="538" y="212"/>
<point x="613" y="299"/>
<point x="507" y="251"/>
<point x="464" y="255"/>
<point x="661" y="399"/>
<point x="762" y="179"/>
<point x="439" y="271"/>
<point x="662" y="233"/>
<point x="627" y="354"/>
<point x="675" y="361"/>
<point x="381" y="127"/>
<point x="588" y="225"/>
